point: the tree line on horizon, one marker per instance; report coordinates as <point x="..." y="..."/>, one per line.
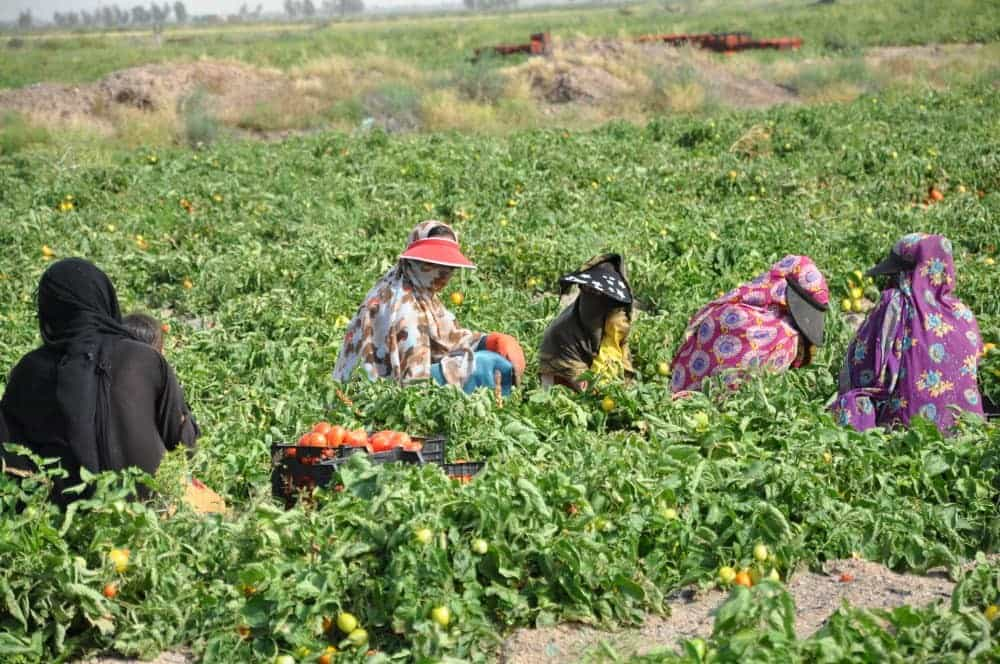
<point x="112" y="16"/>
<point x="157" y="15"/>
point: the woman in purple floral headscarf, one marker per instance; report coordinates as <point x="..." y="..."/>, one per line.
<point x="918" y="351"/>
<point x="769" y="323"/>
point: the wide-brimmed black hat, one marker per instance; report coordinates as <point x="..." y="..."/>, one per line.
<point x="808" y="313"/>
<point x="605" y="277"/>
<point x="892" y="264"/>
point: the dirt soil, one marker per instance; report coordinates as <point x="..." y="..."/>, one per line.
<point x="147" y="88"/>
<point x="816" y="597"/>
<point x="596" y="72"/>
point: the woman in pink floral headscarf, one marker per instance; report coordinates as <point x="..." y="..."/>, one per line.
<point x="918" y="351"/>
<point x="770" y="323"/>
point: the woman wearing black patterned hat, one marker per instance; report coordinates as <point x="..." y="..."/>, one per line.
<point x="591" y="333"/>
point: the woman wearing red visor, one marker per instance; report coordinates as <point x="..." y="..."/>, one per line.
<point x="402" y="330"/>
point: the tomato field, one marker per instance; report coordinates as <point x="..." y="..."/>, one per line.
<point x="591" y="507"/>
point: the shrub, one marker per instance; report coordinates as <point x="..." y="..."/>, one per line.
<point x="199" y="125"/>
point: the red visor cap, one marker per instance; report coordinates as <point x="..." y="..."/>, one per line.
<point x="437" y="250"/>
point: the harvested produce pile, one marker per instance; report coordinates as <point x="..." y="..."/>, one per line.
<point x="593" y="507"/>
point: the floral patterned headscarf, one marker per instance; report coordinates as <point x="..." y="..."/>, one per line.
<point x="402" y="327"/>
<point x="918" y="350"/>
<point x="748" y="328"/>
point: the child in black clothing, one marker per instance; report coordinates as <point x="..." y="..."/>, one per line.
<point x="145" y="328"/>
<point x="148" y="330"/>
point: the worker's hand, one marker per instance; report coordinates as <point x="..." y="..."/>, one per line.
<point x="506" y="345"/>
<point x="488" y="364"/>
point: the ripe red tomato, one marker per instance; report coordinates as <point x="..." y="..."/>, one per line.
<point x="291" y="452"/>
<point x="315" y="440"/>
<point x="400" y="439"/>
<point x="303" y="440"/>
<point x="356" y="438"/>
<point x="381" y="441"/>
<point x="321" y="427"/>
<point x="335" y="436"/>
<point x="110" y="590"/>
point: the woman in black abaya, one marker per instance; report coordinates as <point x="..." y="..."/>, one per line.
<point x="91" y="395"/>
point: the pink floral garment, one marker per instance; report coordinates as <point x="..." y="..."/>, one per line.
<point x="917" y="353"/>
<point x="749" y="328"/>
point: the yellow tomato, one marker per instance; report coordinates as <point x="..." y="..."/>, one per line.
<point x="119" y="557"/>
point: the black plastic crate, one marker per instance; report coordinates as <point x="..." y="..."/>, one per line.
<point x="296" y="468"/>
<point x="281" y="451"/>
<point x="463" y="472"/>
<point x="433" y="450"/>
<point x="990" y="409"/>
<point x="291" y="477"/>
<point x="389" y="456"/>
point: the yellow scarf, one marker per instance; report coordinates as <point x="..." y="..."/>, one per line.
<point x="611" y="361"/>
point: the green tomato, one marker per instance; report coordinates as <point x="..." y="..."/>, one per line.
<point x="346" y="622"/>
<point x="727" y="574"/>
<point x="358" y="637"/>
<point x="441" y="615"/>
<point x="774" y="576"/>
<point x="284" y="659"/>
<point x="663" y="369"/>
<point x="479" y="546"/>
<point x="668" y="513"/>
<point x="760" y="553"/>
<point x="424" y="535"/>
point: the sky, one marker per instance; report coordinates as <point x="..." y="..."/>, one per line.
<point x="43" y="9"/>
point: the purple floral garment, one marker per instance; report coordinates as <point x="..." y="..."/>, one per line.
<point x="918" y="350"/>
<point x="749" y="328"/>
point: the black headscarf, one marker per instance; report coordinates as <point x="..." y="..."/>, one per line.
<point x="573" y="338"/>
<point x="64" y="391"/>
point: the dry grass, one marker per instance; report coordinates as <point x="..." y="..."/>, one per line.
<point x="135" y="128"/>
<point x="443" y="110"/>
<point x="755" y="142"/>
